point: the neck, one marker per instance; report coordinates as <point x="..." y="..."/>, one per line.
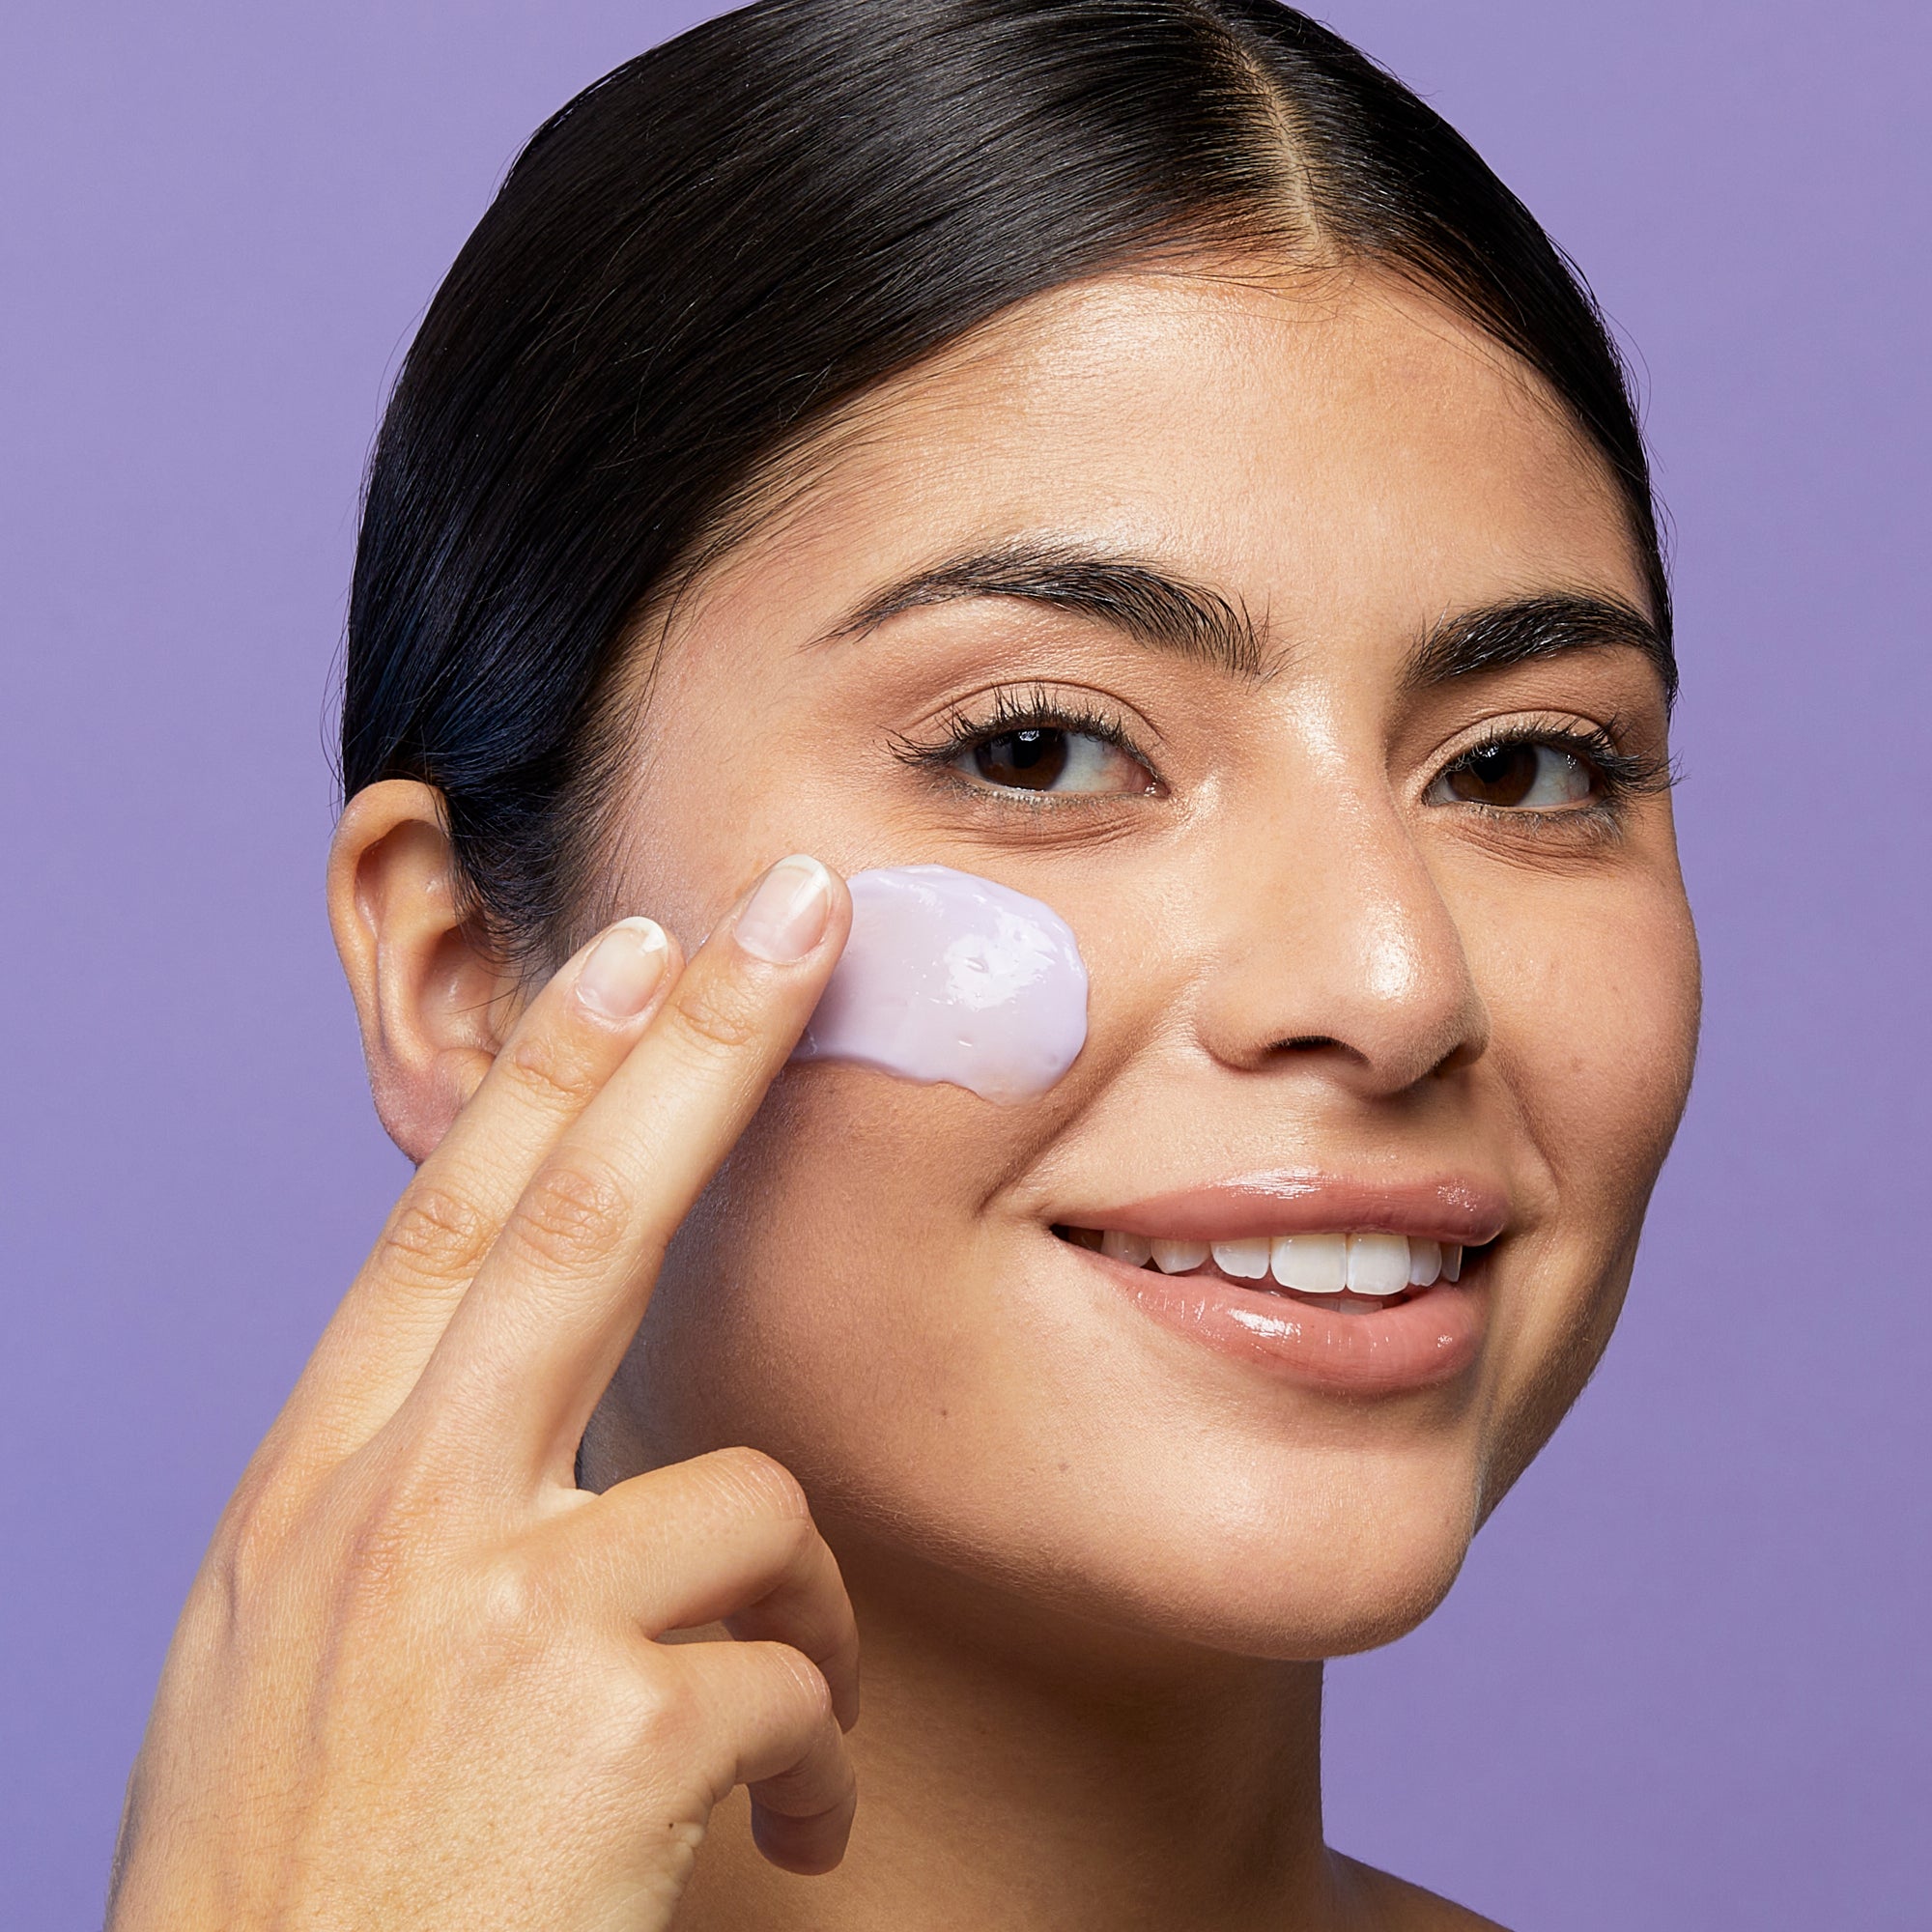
<point x="1021" y="1771"/>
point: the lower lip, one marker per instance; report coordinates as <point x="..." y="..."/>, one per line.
<point x="1431" y="1338"/>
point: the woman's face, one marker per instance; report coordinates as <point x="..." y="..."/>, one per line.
<point x="1380" y="907"/>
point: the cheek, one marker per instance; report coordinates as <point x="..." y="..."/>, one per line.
<point x="818" y="1302"/>
<point x="1595" y="1017"/>
<point x="852" y="1293"/>
<point x="1594" y="1023"/>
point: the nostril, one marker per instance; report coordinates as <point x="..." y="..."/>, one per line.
<point x="1305" y="1043"/>
<point x="1459" y="1057"/>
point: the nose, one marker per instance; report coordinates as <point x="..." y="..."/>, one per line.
<point x="1332" y="948"/>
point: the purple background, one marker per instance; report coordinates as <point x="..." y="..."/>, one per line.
<point x="1683" y="1681"/>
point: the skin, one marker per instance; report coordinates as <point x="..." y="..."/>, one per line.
<point x="1093" y="1565"/>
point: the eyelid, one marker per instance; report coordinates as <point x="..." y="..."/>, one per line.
<point x="1009" y="702"/>
<point x="1512" y="726"/>
<point x="1625" y="774"/>
<point x="1595" y="741"/>
<point x="985" y="714"/>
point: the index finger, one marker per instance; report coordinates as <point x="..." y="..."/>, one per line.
<point x="533" y="1344"/>
<point x="563" y="1047"/>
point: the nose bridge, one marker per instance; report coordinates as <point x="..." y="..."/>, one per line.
<point x="1338" y="941"/>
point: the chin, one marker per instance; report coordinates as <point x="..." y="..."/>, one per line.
<point x="1155" y="1599"/>
<point x="1332" y="1576"/>
<point x="1335" y="1603"/>
<point x="1159" y="1551"/>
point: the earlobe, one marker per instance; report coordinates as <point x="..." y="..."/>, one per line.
<point x="433" y="1001"/>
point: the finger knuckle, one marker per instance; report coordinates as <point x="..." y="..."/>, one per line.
<point x="383" y="1539"/>
<point x="715" y="1015"/>
<point x="393" y="1516"/>
<point x="511" y="1610"/>
<point x="435" y="1237"/>
<point x="250" y="1545"/>
<point x="373" y="1572"/>
<point x="553" y="1072"/>
<point x="572" y="1215"/>
<point x="666" y="1712"/>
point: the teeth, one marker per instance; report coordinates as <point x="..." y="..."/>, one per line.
<point x="1377" y="1263"/>
<point x="1311" y="1264"/>
<point x="1325" y="1266"/>
<point x="1246" y="1260"/>
<point x="1178" y="1257"/>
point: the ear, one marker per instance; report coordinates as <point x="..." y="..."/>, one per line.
<point x="434" y="1002"/>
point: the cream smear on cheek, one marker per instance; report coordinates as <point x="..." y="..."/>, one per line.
<point x="949" y="977"/>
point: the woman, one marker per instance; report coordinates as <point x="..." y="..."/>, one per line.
<point x="1130" y="451"/>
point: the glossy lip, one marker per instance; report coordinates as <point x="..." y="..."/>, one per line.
<point x="1426" y="1338"/>
<point x="1431" y="1338"/>
<point x="1449" y="1209"/>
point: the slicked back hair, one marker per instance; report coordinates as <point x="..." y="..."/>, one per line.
<point x="712" y="250"/>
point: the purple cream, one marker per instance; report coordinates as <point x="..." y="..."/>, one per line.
<point x="950" y="977"/>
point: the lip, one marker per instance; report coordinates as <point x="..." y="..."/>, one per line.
<point x="1458" y="1208"/>
<point x="1421" y="1342"/>
<point x="1429" y="1338"/>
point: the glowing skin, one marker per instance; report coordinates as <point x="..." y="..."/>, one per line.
<point x="1313" y="952"/>
<point x="1375" y="948"/>
<point x="952" y="977"/>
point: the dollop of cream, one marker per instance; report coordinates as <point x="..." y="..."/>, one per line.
<point x="949" y="977"/>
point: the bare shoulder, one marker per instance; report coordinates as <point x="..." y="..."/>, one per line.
<point x="1391" y="1904"/>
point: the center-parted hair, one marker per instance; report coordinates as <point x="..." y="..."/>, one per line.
<point x="713" y="249"/>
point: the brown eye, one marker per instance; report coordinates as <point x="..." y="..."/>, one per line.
<point x="1519" y="774"/>
<point x="1030" y="760"/>
<point x="1053" y="758"/>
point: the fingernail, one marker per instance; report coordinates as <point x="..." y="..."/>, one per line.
<point x="786" y="918"/>
<point x="623" y="971"/>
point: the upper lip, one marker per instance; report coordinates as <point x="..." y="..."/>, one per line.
<point x="1449" y="1208"/>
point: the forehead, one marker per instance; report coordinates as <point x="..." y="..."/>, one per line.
<point x="1334" y="449"/>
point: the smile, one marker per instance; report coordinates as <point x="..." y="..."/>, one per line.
<point x="1348" y="1285"/>
<point x="1347" y="1273"/>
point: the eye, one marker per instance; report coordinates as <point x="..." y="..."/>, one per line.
<point x="1051" y="758"/>
<point x="1518" y="774"/>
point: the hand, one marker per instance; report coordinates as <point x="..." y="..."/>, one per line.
<point x="418" y="1681"/>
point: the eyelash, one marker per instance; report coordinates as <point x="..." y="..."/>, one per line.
<point x="1624" y="776"/>
<point x="963" y="729"/>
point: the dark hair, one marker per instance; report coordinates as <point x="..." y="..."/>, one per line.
<point x="698" y="261"/>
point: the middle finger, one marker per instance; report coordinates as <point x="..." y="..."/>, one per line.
<point x="530" y="1349"/>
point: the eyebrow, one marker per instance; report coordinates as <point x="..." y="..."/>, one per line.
<point x="1150" y="606"/>
<point x="1168" y="613"/>
<point x="1523" y="630"/>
